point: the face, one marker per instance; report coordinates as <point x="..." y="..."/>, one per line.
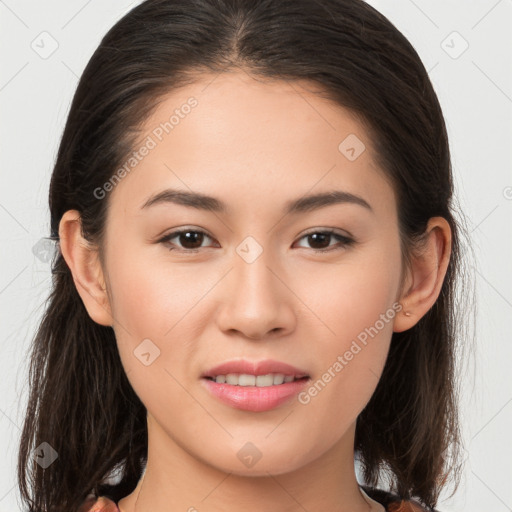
<point x="251" y="278"/>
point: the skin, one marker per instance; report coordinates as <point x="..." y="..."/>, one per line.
<point x="255" y="145"/>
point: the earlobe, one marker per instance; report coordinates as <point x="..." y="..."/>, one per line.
<point x="83" y="261"/>
<point x="427" y="273"/>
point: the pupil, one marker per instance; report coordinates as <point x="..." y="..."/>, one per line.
<point x="323" y="236"/>
<point x="190" y="239"/>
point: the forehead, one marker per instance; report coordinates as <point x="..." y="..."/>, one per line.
<point x="237" y="136"/>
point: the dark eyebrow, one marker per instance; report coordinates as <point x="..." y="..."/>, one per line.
<point x="315" y="201"/>
<point x="185" y="198"/>
<point x="300" y="205"/>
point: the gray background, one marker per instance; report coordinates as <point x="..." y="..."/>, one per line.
<point x="47" y="44"/>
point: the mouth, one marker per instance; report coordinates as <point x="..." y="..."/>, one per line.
<point x="260" y="381"/>
<point x="254" y="386"/>
<point x="241" y="372"/>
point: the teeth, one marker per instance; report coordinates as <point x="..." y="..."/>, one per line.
<point x="243" y="379"/>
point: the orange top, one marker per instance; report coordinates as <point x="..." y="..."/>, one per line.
<point x="101" y="504"/>
<point x="389" y="501"/>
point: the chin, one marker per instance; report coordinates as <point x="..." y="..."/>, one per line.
<point x="249" y="460"/>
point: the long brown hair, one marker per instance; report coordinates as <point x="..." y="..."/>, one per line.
<point x="81" y="402"/>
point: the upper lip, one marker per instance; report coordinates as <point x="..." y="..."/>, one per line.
<point x="254" y="368"/>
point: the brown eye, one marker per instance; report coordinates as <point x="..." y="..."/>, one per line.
<point x="320" y="240"/>
<point x="191" y="240"/>
<point x="187" y="239"/>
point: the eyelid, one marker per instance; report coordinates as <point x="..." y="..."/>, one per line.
<point x="336" y="231"/>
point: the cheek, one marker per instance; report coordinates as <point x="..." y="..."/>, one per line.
<point x="353" y="334"/>
<point x="150" y="304"/>
<point x="349" y="296"/>
<point x="150" y="294"/>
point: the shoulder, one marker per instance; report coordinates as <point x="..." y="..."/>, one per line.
<point x="393" y="503"/>
<point x="98" y="504"/>
<point x="407" y="506"/>
<point x="390" y="501"/>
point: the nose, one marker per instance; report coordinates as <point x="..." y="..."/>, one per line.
<point x="258" y="302"/>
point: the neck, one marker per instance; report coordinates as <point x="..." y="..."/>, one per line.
<point x="176" y="480"/>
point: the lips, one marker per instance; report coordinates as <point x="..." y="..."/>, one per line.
<point x="222" y="382"/>
<point x="265" y="367"/>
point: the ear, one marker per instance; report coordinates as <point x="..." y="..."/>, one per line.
<point x="83" y="261"/>
<point x="426" y="276"/>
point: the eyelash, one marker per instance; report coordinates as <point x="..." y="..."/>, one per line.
<point x="344" y="240"/>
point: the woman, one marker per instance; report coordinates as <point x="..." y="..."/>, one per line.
<point x="255" y="278"/>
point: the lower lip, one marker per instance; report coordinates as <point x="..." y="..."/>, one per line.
<point x="254" y="398"/>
